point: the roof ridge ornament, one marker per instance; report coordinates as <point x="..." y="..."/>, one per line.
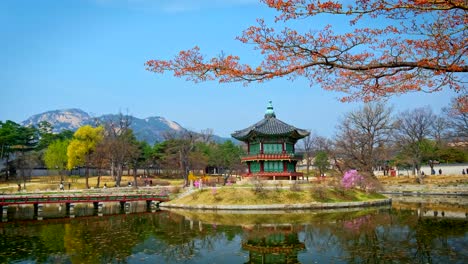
<point x="269" y="112"/>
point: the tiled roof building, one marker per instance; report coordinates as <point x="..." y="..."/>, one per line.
<point x="270" y="147"/>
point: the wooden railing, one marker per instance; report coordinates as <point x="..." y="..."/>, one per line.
<point x="277" y="174"/>
<point x="43" y="199"/>
<point x="276" y="156"/>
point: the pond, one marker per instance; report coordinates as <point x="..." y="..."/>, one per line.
<point x="409" y="231"/>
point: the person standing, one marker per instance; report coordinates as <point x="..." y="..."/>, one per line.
<point x="440" y="171"/>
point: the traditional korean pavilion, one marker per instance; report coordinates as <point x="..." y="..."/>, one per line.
<point x="270" y="148"/>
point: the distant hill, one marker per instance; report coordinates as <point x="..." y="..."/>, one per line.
<point x="149" y="129"/>
<point x="70" y="119"/>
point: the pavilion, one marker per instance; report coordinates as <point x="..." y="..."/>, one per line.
<point x="270" y="148"/>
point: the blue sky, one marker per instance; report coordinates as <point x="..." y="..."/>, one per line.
<point x="90" y="54"/>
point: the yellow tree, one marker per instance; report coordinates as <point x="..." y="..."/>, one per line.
<point x="82" y="146"/>
<point x="55" y="156"/>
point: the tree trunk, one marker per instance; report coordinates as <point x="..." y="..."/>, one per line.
<point x="98" y="178"/>
<point x="7" y="174"/>
<point x="119" y="175"/>
<point x="135" y="170"/>
<point x="112" y="170"/>
<point x="87" y="176"/>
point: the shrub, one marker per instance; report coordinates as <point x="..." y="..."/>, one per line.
<point x="278" y="186"/>
<point x="214" y="192"/>
<point x="352" y="179"/>
<point x="318" y="192"/>
<point x="259" y="186"/>
<point x="295" y="187"/>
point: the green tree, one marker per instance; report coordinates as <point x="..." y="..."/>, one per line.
<point x="321" y="161"/>
<point x="26" y="156"/>
<point x="8" y="139"/>
<point x="156" y="156"/>
<point x="136" y="154"/>
<point x="453" y="155"/>
<point x="177" y="152"/>
<point x="147" y="152"/>
<point x="55" y="156"/>
<point x="46" y="137"/>
<point x="227" y="156"/>
<point x="82" y="146"/>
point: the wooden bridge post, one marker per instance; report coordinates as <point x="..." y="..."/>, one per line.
<point x="5" y="213"/>
<point x="154" y="206"/>
<point x="100" y="208"/>
<point x="71" y="210"/>
<point x="38" y="210"/>
<point x="127" y="207"/>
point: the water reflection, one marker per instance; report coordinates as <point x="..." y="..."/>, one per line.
<point x="372" y="235"/>
<point x="272" y="243"/>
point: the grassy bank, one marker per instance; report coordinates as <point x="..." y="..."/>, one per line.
<point x="248" y="196"/>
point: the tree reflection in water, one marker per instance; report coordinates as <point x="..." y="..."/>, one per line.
<point x="376" y="235"/>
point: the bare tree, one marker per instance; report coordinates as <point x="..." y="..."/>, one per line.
<point x="307" y="144"/>
<point x="206" y="135"/>
<point x="413" y="129"/>
<point x="440" y="130"/>
<point x="361" y="133"/>
<point x="101" y="158"/>
<point x="119" y="139"/>
<point x="457" y="118"/>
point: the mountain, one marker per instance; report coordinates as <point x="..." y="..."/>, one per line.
<point x="151" y="129"/>
<point x="70" y="119"/>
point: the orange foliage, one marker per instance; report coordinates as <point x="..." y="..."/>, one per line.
<point x="425" y="49"/>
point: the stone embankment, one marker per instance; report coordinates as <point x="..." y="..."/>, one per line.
<point x="315" y="205"/>
<point x="426" y="189"/>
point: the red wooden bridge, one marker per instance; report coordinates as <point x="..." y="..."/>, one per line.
<point x="80" y="198"/>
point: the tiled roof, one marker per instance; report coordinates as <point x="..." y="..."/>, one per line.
<point x="270" y="126"/>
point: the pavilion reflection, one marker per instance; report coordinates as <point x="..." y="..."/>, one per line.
<point x="276" y="243"/>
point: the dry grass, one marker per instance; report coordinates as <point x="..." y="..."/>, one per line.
<point x="430" y="179"/>
<point x="51" y="183"/>
<point x="247" y="196"/>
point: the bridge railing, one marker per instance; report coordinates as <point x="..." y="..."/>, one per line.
<point x="77" y="198"/>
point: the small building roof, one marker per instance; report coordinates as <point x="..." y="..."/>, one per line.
<point x="270" y="126"/>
